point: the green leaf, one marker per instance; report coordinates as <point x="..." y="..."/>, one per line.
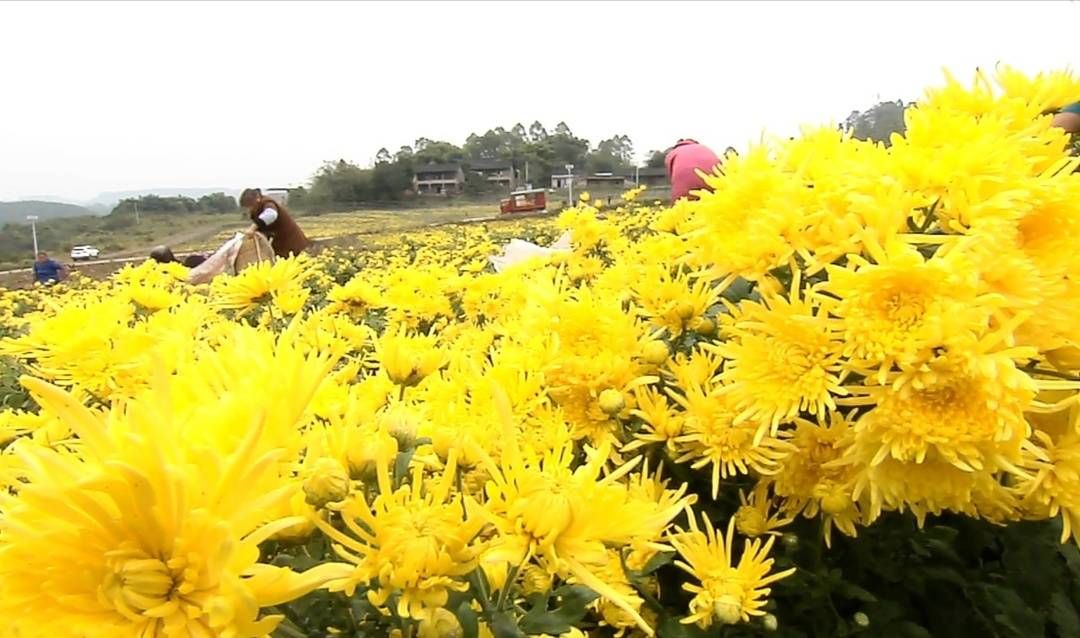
<point x="908" y="629"/>
<point x="503" y="626"/>
<point x="401" y="465"/>
<point x="1063" y="615"/>
<point x="1071" y="555"/>
<point x="481" y="587"/>
<point x="670" y="627"/>
<point x="576" y="595"/>
<point x="851" y="591"/>
<point x="1008" y="610"/>
<point x="656" y="562"/>
<point x="737" y="291"/>
<point x="574" y="601"/>
<point x="470" y="623"/>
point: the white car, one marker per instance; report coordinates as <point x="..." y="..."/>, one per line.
<point x="79" y="253"/>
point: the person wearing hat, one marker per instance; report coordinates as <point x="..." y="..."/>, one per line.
<point x="683" y="162"/>
<point x="272" y="220"/>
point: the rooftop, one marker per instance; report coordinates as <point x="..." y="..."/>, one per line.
<point x="647" y="171"/>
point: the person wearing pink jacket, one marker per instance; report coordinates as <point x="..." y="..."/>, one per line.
<point x="683" y="162"/>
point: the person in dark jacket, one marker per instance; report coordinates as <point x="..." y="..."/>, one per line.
<point x="164" y="255"/>
<point x="272" y="220"/>
<point x="191" y="261"/>
<point x="47" y="271"/>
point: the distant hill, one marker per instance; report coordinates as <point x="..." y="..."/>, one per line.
<point x="17" y="211"/>
<point x="108" y="200"/>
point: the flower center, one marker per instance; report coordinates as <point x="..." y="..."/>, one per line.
<point x="727" y="609"/>
<point x="138" y="585"/>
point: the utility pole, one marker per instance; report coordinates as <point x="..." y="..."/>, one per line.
<point x="136" y="212"/>
<point x="570" y="183"/>
<point x="33" y="231"/>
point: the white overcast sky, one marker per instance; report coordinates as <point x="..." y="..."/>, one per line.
<point x="100" y="97"/>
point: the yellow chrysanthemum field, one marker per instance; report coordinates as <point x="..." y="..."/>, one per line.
<point x="673" y="428"/>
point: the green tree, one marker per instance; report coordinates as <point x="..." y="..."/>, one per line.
<point x="476" y="184"/>
<point x="156" y="204"/>
<point x="340" y="182"/>
<point x="390" y="181"/>
<point x="537" y="132"/>
<point x="657" y="159"/>
<point x="493" y="144"/>
<point x="436" y="152"/>
<point x="298" y="198"/>
<point x="567" y="148"/>
<point x="217" y="203"/>
<point x="612" y="154"/>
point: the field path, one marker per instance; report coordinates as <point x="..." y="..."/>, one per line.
<point x="102" y="268"/>
<point x="197" y="234"/>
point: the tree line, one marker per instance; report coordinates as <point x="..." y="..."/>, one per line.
<point x="534" y="152"/>
<point x="211" y="203"/>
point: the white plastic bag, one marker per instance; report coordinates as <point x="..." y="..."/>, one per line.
<point x="220" y="262"/>
<point x="518" y="251"/>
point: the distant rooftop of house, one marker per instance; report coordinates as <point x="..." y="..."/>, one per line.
<point x="645" y="171"/>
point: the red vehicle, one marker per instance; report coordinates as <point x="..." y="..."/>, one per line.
<point x="525" y="201"/>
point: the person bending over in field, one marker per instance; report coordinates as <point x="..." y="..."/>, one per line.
<point x="272" y="220"/>
<point x="164" y="255"/>
<point x="683" y="162"/>
<point x="1068" y="118"/>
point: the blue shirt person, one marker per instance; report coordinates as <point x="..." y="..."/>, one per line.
<point x="47" y="271"/>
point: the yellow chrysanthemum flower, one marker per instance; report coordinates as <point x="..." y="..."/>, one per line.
<point x="724" y="593"/>
<point x="133" y="537"/>
<point x="412" y="543"/>
<point x="783" y="357"/>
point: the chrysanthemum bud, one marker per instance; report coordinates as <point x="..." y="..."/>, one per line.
<point x="770" y="623"/>
<point x="655" y="352"/>
<point x="535" y="580"/>
<point x="861" y="619"/>
<point x="441" y="623"/>
<point x="364" y="451"/>
<point x="835" y="502"/>
<point x="790" y="541"/>
<point x="750" y="521"/>
<point x="327" y="483"/>
<point x="612" y="401"/>
<point x="402" y="423"/>
<point x="685" y="310"/>
<point x="703" y="326"/>
<point x="727" y="609"/>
